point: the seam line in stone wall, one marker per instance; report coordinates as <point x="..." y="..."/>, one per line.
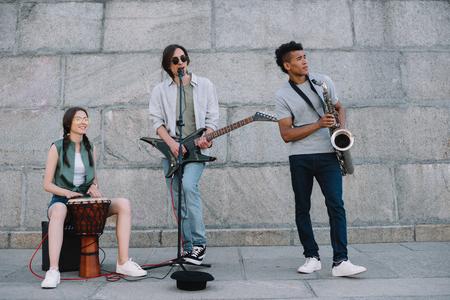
<point x="17" y="32"/>
<point x="102" y="28"/>
<point x="23" y="202"/>
<point x="394" y="192"/>
<point x="213" y="25"/>
<point x="63" y="81"/>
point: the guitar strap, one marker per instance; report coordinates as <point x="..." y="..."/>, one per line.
<point x="299" y="91"/>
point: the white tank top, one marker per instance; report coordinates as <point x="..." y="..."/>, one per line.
<point x="79" y="171"/>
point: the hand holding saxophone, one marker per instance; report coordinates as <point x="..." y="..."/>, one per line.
<point x="327" y="120"/>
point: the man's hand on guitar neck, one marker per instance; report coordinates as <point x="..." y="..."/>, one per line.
<point x="202" y="142"/>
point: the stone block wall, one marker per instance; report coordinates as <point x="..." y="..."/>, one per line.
<point x="389" y="61"/>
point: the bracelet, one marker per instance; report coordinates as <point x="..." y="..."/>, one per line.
<point x="96" y="184"/>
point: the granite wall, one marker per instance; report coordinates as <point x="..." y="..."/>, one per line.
<point x="389" y="59"/>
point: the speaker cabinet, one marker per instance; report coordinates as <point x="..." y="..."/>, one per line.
<point x="69" y="259"/>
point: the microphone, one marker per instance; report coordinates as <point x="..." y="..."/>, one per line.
<point x="180" y="72"/>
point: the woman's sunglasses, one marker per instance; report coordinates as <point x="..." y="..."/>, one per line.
<point x="78" y="120"/>
<point x="175" y="60"/>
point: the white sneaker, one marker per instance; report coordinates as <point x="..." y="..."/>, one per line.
<point x="130" y="268"/>
<point x="52" y="278"/>
<point x="312" y="264"/>
<point x="346" y="268"/>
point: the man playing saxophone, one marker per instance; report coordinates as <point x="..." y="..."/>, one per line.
<point x="304" y="123"/>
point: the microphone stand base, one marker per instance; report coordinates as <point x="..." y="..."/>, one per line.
<point x="177" y="262"/>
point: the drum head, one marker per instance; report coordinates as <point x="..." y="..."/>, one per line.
<point x="87" y="200"/>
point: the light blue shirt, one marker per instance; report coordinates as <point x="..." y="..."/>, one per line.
<point x="163" y="103"/>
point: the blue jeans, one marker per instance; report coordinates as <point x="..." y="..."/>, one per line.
<point x="192" y="227"/>
<point x="62" y="199"/>
<point x="325" y="168"/>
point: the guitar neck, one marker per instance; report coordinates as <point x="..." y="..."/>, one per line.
<point x="222" y="131"/>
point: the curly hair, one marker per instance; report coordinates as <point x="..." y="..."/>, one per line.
<point x="67" y="123"/>
<point x="167" y="58"/>
<point x="283" y="53"/>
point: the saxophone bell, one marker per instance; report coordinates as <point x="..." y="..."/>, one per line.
<point x="342" y="140"/>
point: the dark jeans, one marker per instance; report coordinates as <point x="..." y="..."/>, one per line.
<point x="325" y="168"/>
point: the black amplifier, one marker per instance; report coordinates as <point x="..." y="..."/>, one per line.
<point x="69" y="259"/>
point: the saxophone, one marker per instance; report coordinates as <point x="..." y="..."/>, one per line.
<point x="341" y="139"/>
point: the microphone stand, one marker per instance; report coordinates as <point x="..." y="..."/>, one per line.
<point x="180" y="170"/>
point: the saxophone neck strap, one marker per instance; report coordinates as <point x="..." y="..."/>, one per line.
<point x="299" y="91"/>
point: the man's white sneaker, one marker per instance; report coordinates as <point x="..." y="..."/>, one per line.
<point x="52" y="278"/>
<point x="130" y="268"/>
<point x="312" y="264"/>
<point x="346" y="268"/>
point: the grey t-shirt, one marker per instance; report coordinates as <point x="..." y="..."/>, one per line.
<point x="289" y="104"/>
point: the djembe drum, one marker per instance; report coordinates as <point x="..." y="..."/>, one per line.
<point x="89" y="216"/>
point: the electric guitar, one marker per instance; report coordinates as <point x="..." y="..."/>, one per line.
<point x="191" y="142"/>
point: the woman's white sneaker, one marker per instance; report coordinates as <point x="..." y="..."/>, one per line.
<point x="130" y="268"/>
<point x="346" y="268"/>
<point x="312" y="264"/>
<point x="52" y="279"/>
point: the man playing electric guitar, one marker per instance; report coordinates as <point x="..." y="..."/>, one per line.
<point x="200" y="109"/>
<point x="191" y="142"/>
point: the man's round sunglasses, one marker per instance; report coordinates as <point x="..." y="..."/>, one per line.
<point x="175" y="60"/>
<point x="79" y="120"/>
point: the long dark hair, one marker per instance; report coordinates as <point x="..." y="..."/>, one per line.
<point x="167" y="57"/>
<point x="67" y="123"/>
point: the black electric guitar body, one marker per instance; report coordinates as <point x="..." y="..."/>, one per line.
<point x="192" y="154"/>
<point x="191" y="143"/>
